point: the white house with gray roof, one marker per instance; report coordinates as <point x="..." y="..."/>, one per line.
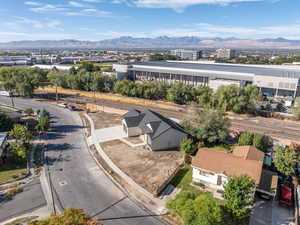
<point x="158" y="132"/>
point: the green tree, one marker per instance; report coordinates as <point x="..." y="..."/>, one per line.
<point x="22" y="81"/>
<point x="227" y="97"/>
<point x="246" y="138"/>
<point x="68" y="217"/>
<point x="210" y="126"/>
<point x="55" y="78"/>
<point x="181" y="93"/>
<point x="285" y="160"/>
<point x="188" y="147"/>
<point x="195" y="209"/>
<point x="87" y="66"/>
<point x="205" y="96"/>
<point x="18" y="151"/>
<point x="239" y="196"/>
<point x="262" y="142"/>
<point x="21" y="134"/>
<point x="43" y="124"/>
<point x="161" y="57"/>
<point x="296" y="108"/>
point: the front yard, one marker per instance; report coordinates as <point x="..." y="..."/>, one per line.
<point x="12" y="172"/>
<point x="105" y="120"/>
<point x="149" y="169"/>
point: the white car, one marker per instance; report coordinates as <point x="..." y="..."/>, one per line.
<point x="63" y="105"/>
<point x="5" y="93"/>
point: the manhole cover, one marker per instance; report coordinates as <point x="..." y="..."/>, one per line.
<point x="63" y="183"/>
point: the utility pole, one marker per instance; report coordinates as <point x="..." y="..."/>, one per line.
<point x="12" y="99"/>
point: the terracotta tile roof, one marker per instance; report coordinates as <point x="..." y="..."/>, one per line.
<point x="227" y="163"/>
<point x="248" y="152"/>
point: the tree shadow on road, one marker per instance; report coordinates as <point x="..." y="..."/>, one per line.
<point x="66" y="128"/>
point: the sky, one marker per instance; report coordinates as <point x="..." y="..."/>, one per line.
<point x="106" y="19"/>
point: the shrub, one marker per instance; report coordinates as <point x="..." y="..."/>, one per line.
<point x="188" y="147"/>
<point x="29" y="111"/>
<point x="11" y="193"/>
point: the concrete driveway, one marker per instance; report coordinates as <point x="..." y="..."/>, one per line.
<point x="270" y="213"/>
<point x="110" y="134"/>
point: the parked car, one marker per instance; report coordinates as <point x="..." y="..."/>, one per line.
<point x="5" y="93"/>
<point x="63" y="105"/>
<point x="264" y="196"/>
<point x="286" y="195"/>
<point x="71" y="107"/>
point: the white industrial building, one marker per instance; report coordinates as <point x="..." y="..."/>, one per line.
<point x="187" y="54"/>
<point x="225" y="53"/>
<point x="273" y="80"/>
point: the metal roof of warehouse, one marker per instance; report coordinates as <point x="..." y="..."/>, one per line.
<point x="256" y="70"/>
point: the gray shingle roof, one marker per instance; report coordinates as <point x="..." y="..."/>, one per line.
<point x="158" y="123"/>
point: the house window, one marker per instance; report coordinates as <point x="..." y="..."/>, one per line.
<point x="206" y="174"/>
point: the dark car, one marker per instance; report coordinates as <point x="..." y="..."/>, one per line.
<point x="264" y="196"/>
<point x="286" y="195"/>
<point x="71" y="107"/>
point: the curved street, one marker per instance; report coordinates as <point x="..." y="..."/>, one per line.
<point x="77" y="180"/>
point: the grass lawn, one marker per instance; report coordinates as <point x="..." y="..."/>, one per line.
<point x="183" y="179"/>
<point x="6" y="109"/>
<point x="12" y="173"/>
<point x="222" y="147"/>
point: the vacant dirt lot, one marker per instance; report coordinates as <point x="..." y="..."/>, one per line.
<point x="148" y="169"/>
<point x="105" y="120"/>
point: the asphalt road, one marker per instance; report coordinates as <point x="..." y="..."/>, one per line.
<point x="27" y="201"/>
<point x="77" y="180"/>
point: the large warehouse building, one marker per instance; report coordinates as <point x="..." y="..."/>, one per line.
<point x="272" y="80"/>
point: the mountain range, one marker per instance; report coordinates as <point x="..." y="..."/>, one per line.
<point x="158" y="42"/>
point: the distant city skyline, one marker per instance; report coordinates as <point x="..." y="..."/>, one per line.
<point x="105" y="19"/>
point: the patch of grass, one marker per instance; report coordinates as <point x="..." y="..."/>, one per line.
<point x="183" y="179"/>
<point x="5" y="109"/>
<point x="11" y="173"/>
<point x="222" y="147"/>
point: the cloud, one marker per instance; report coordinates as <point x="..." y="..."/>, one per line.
<point x="92" y="1"/>
<point x="90" y="12"/>
<point x="5" y="33"/>
<point x="48" y="8"/>
<point x="76" y="4"/>
<point x="180" y="5"/>
<point x="15" y="36"/>
<point x="19" y="23"/>
<point x="211" y="30"/>
<point x="33" y="3"/>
